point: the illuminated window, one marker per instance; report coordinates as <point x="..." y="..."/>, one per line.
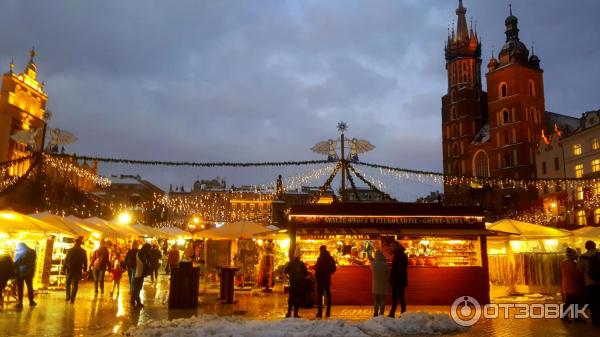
<point x="581" y="218"/>
<point x="597" y="188"/>
<point x="578" y="170"/>
<point x="597" y="216"/>
<point x="577" y="150"/>
<point x="579" y="193"/>
<point x="595" y="143"/>
<point x="595" y="165"/>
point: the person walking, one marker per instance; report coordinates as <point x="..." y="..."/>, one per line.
<point x="155" y="257"/>
<point x="324" y="268"/>
<point x="100" y="262"/>
<point x="25" y="267"/>
<point x="296" y="269"/>
<point x="398" y="279"/>
<point x="7" y="272"/>
<point x="379" y="287"/>
<point x="571" y="283"/>
<point x="117" y="273"/>
<point x="74" y="266"/>
<point x="130" y="264"/>
<point x="589" y="265"/>
<point x="172" y="259"/>
<point x="142" y="269"/>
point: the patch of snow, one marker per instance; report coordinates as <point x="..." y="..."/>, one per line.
<point x="422" y="323"/>
<point x="483" y="135"/>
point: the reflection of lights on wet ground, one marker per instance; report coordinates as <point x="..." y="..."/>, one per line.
<point x="116" y="328"/>
<point x="120" y="306"/>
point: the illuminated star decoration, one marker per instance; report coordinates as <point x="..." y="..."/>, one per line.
<point x="342" y="126"/>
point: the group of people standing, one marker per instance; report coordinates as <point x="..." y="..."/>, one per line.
<point x="22" y="269"/>
<point x="325" y="267"/>
<point x="580" y="281"/>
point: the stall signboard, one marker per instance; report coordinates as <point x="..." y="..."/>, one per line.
<point x="386" y="220"/>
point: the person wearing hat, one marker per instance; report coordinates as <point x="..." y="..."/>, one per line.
<point x="297" y="271"/>
<point x="571" y="282"/>
<point x="74" y="266"/>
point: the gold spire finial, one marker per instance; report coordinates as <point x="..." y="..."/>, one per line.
<point x="12" y="65"/>
<point x="32" y="54"/>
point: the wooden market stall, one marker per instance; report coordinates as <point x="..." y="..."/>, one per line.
<point x="447" y="247"/>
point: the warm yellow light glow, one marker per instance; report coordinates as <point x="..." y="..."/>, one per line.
<point x="192" y="226"/>
<point x="3" y="235"/>
<point x="180" y="241"/>
<point x="202" y="226"/>
<point x="96" y="235"/>
<point x="551" y="245"/>
<point x="124" y="218"/>
<point x="196" y="219"/>
<point x="260" y="242"/>
<point x="515" y="246"/>
<point x="284" y="244"/>
<point x="553" y="205"/>
<point x="8" y="216"/>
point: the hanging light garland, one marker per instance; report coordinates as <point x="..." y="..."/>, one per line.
<point x="296" y="181"/>
<point x="67" y="169"/>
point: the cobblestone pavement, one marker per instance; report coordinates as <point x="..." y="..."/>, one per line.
<point x="104" y="316"/>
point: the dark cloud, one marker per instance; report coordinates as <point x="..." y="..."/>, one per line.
<point x="265" y="80"/>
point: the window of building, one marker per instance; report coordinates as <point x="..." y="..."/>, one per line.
<point x="505" y="117"/>
<point x="455" y="150"/>
<point x="533" y="115"/>
<point x="453" y="113"/>
<point x="507" y="160"/>
<point x="506" y="137"/>
<point x="503" y="90"/>
<point x="581" y="218"/>
<point x="597" y="216"/>
<point x="595" y="143"/>
<point x="556" y="164"/>
<point x="543" y="167"/>
<point x="578" y="170"/>
<point x="531" y="88"/>
<point x="595" y="165"/>
<point x="455" y="131"/>
<point x="482" y="167"/>
<point x="579" y="193"/>
<point x="577" y="150"/>
<point x="597" y="188"/>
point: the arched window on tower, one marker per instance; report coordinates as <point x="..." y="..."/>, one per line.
<point x="453" y="112"/>
<point x="481" y="164"/>
<point x="455" y="150"/>
<point x="503" y="90"/>
<point x="505" y="116"/>
<point x="531" y="88"/>
<point x="533" y="115"/>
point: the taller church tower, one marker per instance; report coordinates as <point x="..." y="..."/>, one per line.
<point x="464" y="107"/>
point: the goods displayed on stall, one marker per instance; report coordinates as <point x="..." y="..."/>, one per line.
<point x="446" y="246"/>
<point x="525" y="258"/>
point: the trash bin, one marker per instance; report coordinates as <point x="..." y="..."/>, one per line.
<point x="226" y="286"/>
<point x="184" y="287"/>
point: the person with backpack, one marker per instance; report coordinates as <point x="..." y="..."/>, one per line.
<point x="324" y="268"/>
<point x="74" y="266"/>
<point x="296" y="269"/>
<point x="25" y="266"/>
<point x="7" y="272"/>
<point x="571" y="283"/>
<point x="100" y="262"/>
<point x="589" y="265"/>
<point x="142" y="269"/>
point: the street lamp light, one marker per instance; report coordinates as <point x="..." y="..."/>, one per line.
<point x="124" y="218"/>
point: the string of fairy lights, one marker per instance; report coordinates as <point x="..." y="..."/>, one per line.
<point x="68" y="169"/>
<point x="294" y="182"/>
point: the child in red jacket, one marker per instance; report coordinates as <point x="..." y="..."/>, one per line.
<point x="117" y="272"/>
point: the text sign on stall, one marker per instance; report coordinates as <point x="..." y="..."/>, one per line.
<point x="386" y="220"/>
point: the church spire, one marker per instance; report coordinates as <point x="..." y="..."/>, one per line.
<point x="462" y="30"/>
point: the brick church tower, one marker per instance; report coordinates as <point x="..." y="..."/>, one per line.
<point x="491" y="134"/>
<point x="464" y="107"/>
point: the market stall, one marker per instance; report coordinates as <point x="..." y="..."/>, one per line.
<point x="581" y="235"/>
<point x="446" y="247"/>
<point x="525" y="258"/>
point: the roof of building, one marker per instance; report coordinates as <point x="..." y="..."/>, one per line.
<point x="566" y="124"/>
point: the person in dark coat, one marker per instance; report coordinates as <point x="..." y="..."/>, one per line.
<point x="297" y="271"/>
<point x="142" y="269"/>
<point x="25" y="266"/>
<point x="130" y="264"/>
<point x="398" y="279"/>
<point x="7" y="272"/>
<point x="75" y="265"/>
<point x="324" y="268"/>
<point x="155" y="257"/>
<point x="100" y="262"/>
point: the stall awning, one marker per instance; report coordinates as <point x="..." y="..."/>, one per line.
<point x="587" y="232"/>
<point x="12" y="222"/>
<point x="56" y="220"/>
<point x="233" y="230"/>
<point x="524" y="230"/>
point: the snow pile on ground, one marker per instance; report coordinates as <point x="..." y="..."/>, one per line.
<point x="421" y="323"/>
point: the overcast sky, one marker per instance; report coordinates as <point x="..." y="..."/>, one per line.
<point x="264" y="80"/>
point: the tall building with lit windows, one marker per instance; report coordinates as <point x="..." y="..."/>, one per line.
<point x="22" y="107"/>
<point x="493" y="133"/>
